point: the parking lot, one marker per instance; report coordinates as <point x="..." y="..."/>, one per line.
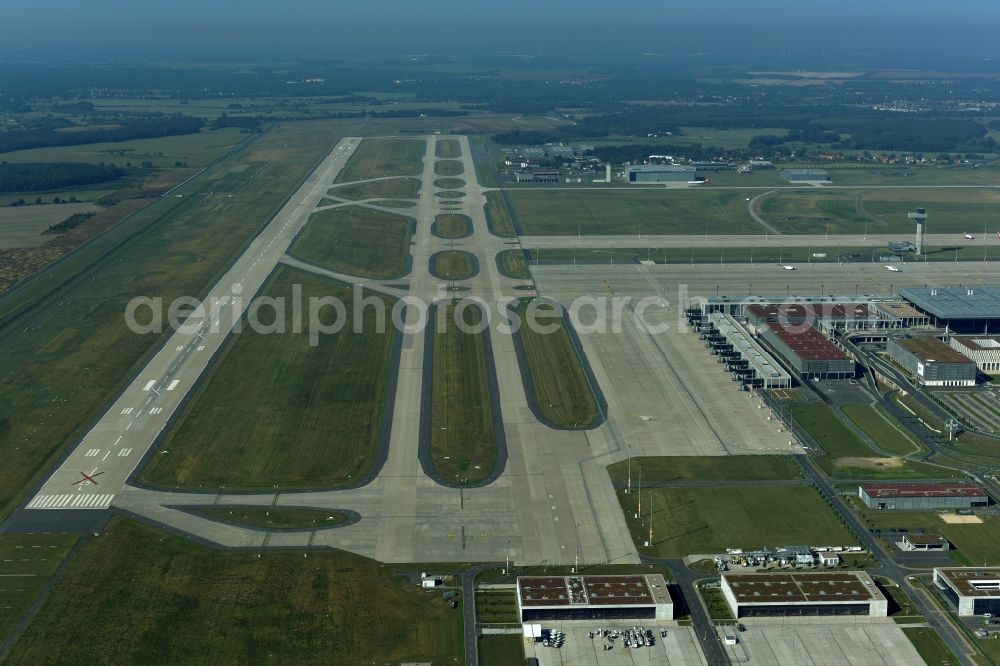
<point x="678" y="648"/>
<point x="820" y="641"/>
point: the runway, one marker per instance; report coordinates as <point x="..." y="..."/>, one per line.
<point x="755" y="240"/>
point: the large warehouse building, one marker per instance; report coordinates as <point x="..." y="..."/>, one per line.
<point x="807" y="351"/>
<point x="932" y="362"/>
<point x="962" y="309"/>
<point x="841" y="316"/>
<point x="922" y="495"/>
<point x="661" y="173"/>
<point x="983" y="350"/>
<point x="973" y="590"/>
<point x="594" y="598"/>
<point x="808" y="593"/>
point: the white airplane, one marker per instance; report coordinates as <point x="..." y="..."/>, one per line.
<point x="697" y="182"/>
<point x="894" y="269"/>
<point x="970" y="237"/>
<point x="788" y="267"/>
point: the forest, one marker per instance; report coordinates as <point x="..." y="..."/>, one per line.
<point x="145" y="128"/>
<point x="41" y="176"/>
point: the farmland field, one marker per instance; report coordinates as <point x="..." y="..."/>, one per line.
<point x="274" y="409"/>
<point x="356" y="241"/>
<point x="23" y="226"/>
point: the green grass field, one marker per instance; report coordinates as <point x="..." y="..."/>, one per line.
<point x="561" y="389"/>
<point x="514" y="265"/>
<point x="380" y="158"/>
<point x="453" y="265"/>
<point x="660" y="211"/>
<point x="452" y="225"/>
<point x="449" y="168"/>
<point x="396" y="188"/>
<point x="496" y="606"/>
<point x="501" y="650"/>
<point x="930" y="647"/>
<point x="275" y="517"/>
<point x="448" y="148"/>
<point x="462" y="437"/>
<point x="357" y="241"/>
<point x="275" y="410"/>
<point x="156" y="598"/>
<point x="27" y="563"/>
<point x="848" y="456"/>
<point x="449" y="183"/>
<point x="498" y="217"/>
<point x="709" y="520"/>
<point x="708" y="468"/>
<point x="60" y="373"/>
<point x="878" y="425"/>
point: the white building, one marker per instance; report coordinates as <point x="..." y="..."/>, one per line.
<point x="983" y="349"/>
<point x="973" y="590"/>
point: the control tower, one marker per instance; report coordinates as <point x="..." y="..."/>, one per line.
<point x="919" y="216"/>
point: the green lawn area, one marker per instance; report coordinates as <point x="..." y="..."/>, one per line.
<point x="951" y="210"/>
<point x="498" y="217"/>
<point x="450" y="194"/>
<point x="973" y="543"/>
<point x="558" y="382"/>
<point x="156" y="598"/>
<point x="275" y="517"/>
<point x="462" y="437"/>
<point x="62" y="370"/>
<point x="495" y="606"/>
<point x="812" y="211"/>
<point x="275" y="410"/>
<point x="513" y="264"/>
<point x="884" y="431"/>
<point x="357" y="241"/>
<point x="711" y="519"/>
<point x="930" y="647"/>
<point x="448" y="148"/>
<point x="453" y="265"/>
<point x="379" y="158"/>
<point x="449" y="168"/>
<point x="715" y="604"/>
<point x="449" y="183"/>
<point x="397" y="188"/>
<point x="641" y="212"/>
<point x="847" y="456"/>
<point x="708" y="468"/>
<point x="27" y="562"/>
<point x="452" y="225"/>
<point x="501" y="650"/>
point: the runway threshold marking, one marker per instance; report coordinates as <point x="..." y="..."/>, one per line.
<point x="173" y="384"/>
<point x="150" y="384"/>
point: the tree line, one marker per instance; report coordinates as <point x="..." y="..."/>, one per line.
<point x="145" y="128"/>
<point x="40" y="176"/>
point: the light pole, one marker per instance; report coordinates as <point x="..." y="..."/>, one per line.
<point x="649" y="542"/>
<point x="628" y="486"/>
<point x="638" y="512"/>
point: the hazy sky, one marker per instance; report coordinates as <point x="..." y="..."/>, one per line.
<point x="128" y="24"/>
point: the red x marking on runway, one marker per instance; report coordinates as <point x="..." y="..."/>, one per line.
<point x="87" y="477"/>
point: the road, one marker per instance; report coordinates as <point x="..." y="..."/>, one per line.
<point x="97" y="468"/>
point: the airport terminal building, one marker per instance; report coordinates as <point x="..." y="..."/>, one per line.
<point x="639" y="597"/>
<point x="983" y="350"/>
<point x="972" y="590"/>
<point x="932" y="362"/>
<point x="807" y="351"/>
<point x="849" y="593"/>
<point x="961" y="309"/>
<point x="922" y="495"/>
<point x="661" y="173"/>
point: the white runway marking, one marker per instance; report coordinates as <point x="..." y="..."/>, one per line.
<point x="78" y="501"/>
<point x="156" y="410"/>
<point x="91" y="453"/>
<point x="150" y="384"/>
<point x="124" y="452"/>
<point x="127" y="410"/>
<point x="201" y="348"/>
<point x="180" y="348"/>
<point x="173" y="384"/>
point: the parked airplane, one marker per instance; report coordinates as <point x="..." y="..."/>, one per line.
<point x="894" y="269"/>
<point x="788" y="268"/>
<point x="970" y="237"/>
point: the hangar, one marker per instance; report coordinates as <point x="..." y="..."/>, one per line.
<point x="594" y="597"/>
<point x="973" y="590"/>
<point x="661" y="173"/>
<point x="922" y="495"/>
<point x="849" y="593"/>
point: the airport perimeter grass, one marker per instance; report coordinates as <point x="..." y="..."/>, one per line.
<point x="707" y="468"/>
<point x="452" y="225"/>
<point x="498" y="217"/>
<point x="276" y="411"/>
<point x="453" y="265"/>
<point x="640" y="212"/>
<point x="448" y="148"/>
<point x="356" y="241"/>
<point x="155" y="598"/>
<point x="710" y="519"/>
<point x="847" y="456"/>
<point x="449" y="168"/>
<point x="27" y="564"/>
<point x="449" y="183"/>
<point x="880" y="427"/>
<point x="561" y="390"/>
<point x="275" y="517"/>
<point x="514" y="265"/>
<point x="463" y="440"/>
<point x="501" y="649"/>
<point x="396" y="188"/>
<point x="930" y="647"/>
<point x="59" y="373"/>
<point x="380" y="158"/>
